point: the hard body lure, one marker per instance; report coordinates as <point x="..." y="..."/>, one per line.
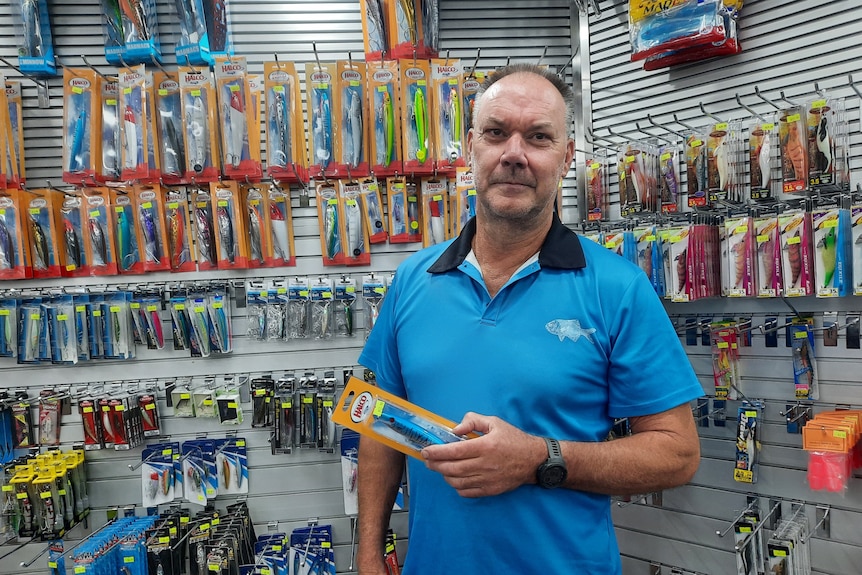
<point x="199" y="135"/>
<point x="594" y="182"/>
<point x="131" y="138"/>
<point x="280" y="121"/>
<point x="110" y="141"/>
<point x="399" y="226"/>
<point x="667" y="170"/>
<point x="7" y="249"/>
<point x="235" y="128"/>
<point x="452" y="123"/>
<point x="386" y="120"/>
<point x="827" y="247"/>
<point x="722" y="164"/>
<point x="409" y="19"/>
<point x="40" y="245"/>
<point x="330" y="230"/>
<point x="124" y="241"/>
<point x="353" y="217"/>
<point x="76" y="156"/>
<point x="420" y="124"/>
<point x="176" y="238"/>
<point x="225" y="230"/>
<point x="323" y="128"/>
<point x="763" y="161"/>
<point x="794" y="259"/>
<point x="255" y="240"/>
<point x="174" y="156"/>
<point x="354" y="125"/>
<point x="152" y="247"/>
<point x="824" y="145"/>
<point x="32" y="23"/>
<point x="136" y="14"/>
<point x="206" y="240"/>
<point x="73" y="244"/>
<point x="279" y="233"/>
<point x="216" y="17"/>
<point x="413" y="431"/>
<point x="376" y="30"/>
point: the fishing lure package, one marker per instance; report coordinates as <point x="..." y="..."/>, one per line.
<point x="464" y="205"/>
<point x="308" y="429"/>
<point x="598" y="195"/>
<point x="660" y="27"/>
<point x="408" y="32"/>
<point x="327" y="437"/>
<point x="62" y="330"/>
<point x="232" y="465"/>
<point x="696" y="154"/>
<point x="373" y="292"/>
<point x="169" y="127"/>
<point x="203" y="227"/>
<point x="448" y="119"/>
<point x="285" y="134"/>
<point x="371" y="203"/>
<point x="232" y="239"/>
<point x="649" y="254"/>
<point x="404" y="211"/>
<point x="827" y="145"/>
<point x="351" y="146"/>
<point x="320" y="87"/>
<point x="415" y="101"/>
<point x="157" y="475"/>
<point x="8" y="328"/>
<point x="149" y="407"/>
<point x="833" y="270"/>
<point x="355" y="227"/>
<point x="81" y="142"/>
<point x="748" y="426"/>
<point x="118" y="337"/>
<point x="384" y="93"/>
<point x="134" y="126"/>
<point x="13" y="237"/>
<point x="110" y="168"/>
<point x="131" y="31"/>
<point x="44" y="232"/>
<point x="259" y="233"/>
<point x="15" y="173"/>
<point x="276" y="311"/>
<point x="150" y="221"/>
<point x="435" y="212"/>
<point x="669" y="187"/>
<point x="768" y="252"/>
<point x="763" y="158"/>
<point x="633" y="176"/>
<point x="146" y="321"/>
<point x="280" y="224"/>
<point x="321" y="298"/>
<point x="724" y="343"/>
<point x="330" y="216"/>
<point x="205" y="30"/>
<point x="724" y="181"/>
<point x="374" y="29"/>
<point x="298" y="295"/>
<point x="679" y="285"/>
<point x="805" y="373"/>
<point x="125" y="231"/>
<point x="391" y="420"/>
<point x="35" y="42"/>
<point x="741" y="281"/>
<point x="345" y="303"/>
<point x="199" y="125"/>
<point x="797" y="261"/>
<point x="228" y="407"/>
<point x="236" y="119"/>
<point x="179" y="230"/>
<point x="855" y="241"/>
<point x="73" y="257"/>
<point x="98" y="233"/>
<point x="793" y="146"/>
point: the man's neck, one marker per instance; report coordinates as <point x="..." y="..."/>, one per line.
<point x="502" y="249"/>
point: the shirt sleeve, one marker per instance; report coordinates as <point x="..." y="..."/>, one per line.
<point x="380" y="353"/>
<point x="649" y="371"/>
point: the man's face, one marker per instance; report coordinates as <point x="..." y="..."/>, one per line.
<point x="519" y="147"/>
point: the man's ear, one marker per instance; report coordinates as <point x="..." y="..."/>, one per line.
<point x="570" y="155"/>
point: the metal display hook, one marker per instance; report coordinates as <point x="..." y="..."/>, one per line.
<point x="710" y="114"/>
<point x="663" y="127"/>
<point x="751" y="507"/>
<point x="765" y="99"/>
<point x="96" y="70"/>
<point x="749" y="109"/>
<point x="41" y="86"/>
<point x="662" y="138"/>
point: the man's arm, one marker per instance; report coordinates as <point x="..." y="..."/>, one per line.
<point x="662" y="452"/>
<point x="378" y="477"/>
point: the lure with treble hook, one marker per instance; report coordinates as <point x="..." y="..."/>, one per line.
<point x="225" y="230"/>
<point x="452" y="122"/>
<point x="410" y="19"/>
<point x="199" y="133"/>
<point x="76" y="152"/>
<point x="98" y="242"/>
<point x="174" y="156"/>
<point x="386" y="121"/>
<point x="353" y="218"/>
<point x="330" y="229"/>
<point x="124" y="241"/>
<point x="322" y="128"/>
<point x="41" y="255"/>
<point x="280" y="121"/>
<point x="130" y="127"/>
<point x="235" y="128"/>
<point x="354" y="126"/>
<point x="254" y="232"/>
<point x="152" y="247"/>
<point x="206" y="240"/>
<point x="176" y="237"/>
<point x="279" y="232"/>
<point x="420" y="124"/>
<point x="7" y="247"/>
<point x="73" y="243"/>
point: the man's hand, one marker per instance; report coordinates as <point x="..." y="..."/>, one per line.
<point x="502" y="459"/>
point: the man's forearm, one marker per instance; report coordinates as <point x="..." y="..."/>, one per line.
<point x="379" y="475"/>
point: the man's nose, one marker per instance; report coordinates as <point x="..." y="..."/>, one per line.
<point x="514" y="155"/>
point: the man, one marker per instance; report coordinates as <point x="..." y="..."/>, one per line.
<point x="522" y="332"/>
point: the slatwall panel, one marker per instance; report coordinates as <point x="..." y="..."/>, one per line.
<point x="787" y="45"/>
<point x="287" y="489"/>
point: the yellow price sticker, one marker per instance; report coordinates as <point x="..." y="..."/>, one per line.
<point x="185" y="396"/>
<point x="240" y="443"/>
<point x="231" y="405"/>
<point x="45" y="495"/>
<point x="779" y="553"/>
<point x="21" y="496"/>
<point x="179" y="306"/>
<point x="792" y="118"/>
<point x="120" y="408"/>
<point x="52" y="564"/>
<point x="793" y="240"/>
<point x="762" y="239"/>
<point x="164" y="539"/>
<point x="87" y="410"/>
<point x="741" y="229"/>
<point x="721" y="126"/>
<point x="163" y="92"/>
<point x="722" y="345"/>
<point x="151" y="308"/>
<point x="222" y="203"/>
<point x="106" y="408"/>
<point x="767" y="127"/>
<point x="77" y="90"/>
<point x="6" y="488"/>
<point x="286" y="405"/>
<point x="378" y="408"/>
<point x="665" y="156"/>
<point x="114" y="309"/>
<point x="207" y="402"/>
<point x="128" y="559"/>
<point x="750" y="414"/>
<point x="801" y="334"/>
<point x="695" y="143"/>
<point x="95" y="213"/>
<point x="195" y="93"/>
<point x="4" y="312"/>
<point x="97" y="313"/>
<point x="62" y="317"/>
<point x="743" y="475"/>
<point x="233" y="88"/>
<point x="839" y="434"/>
<point x="80" y="569"/>
<point x="135" y="305"/>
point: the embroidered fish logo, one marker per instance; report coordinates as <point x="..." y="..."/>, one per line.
<point x="570" y="328"/>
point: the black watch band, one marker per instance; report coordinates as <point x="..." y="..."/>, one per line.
<point x="552" y="473"/>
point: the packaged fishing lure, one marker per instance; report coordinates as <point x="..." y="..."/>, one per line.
<point x="16" y="173"/>
<point x="95" y="326"/>
<point x="670" y="188"/>
<point x="169" y="127"/>
<point x="203" y="400"/>
<point x="322" y="312"/>
<point x="203" y="162"/>
<point x="446" y="114"/>
<point x="298" y="308"/>
<point x="308" y="429"/>
<point x="355" y="227"/>
<point x="330" y="217"/>
<point x="276" y="311"/>
<point x="322" y="134"/>
<point x="232" y="466"/>
<point x="661" y="27"/>
<point x="374" y="29"/>
<point x="118" y="337"/>
<point x="741" y="256"/>
<point x="832" y="262"/>
<point x="435" y="212"/>
<point x="384" y="93"/>
<point x="345" y="303"/>
<point x="325" y="408"/>
<point x="179" y="230"/>
<point x="232" y="239"/>
<point x="62" y="331"/>
<point x="597" y="194"/>
<point x="403" y="24"/>
<point x="81" y="143"/>
<point x="82" y="327"/>
<point x="465" y="200"/>
<point x="373" y="292"/>
<point x="284" y="438"/>
<point x="140" y="32"/>
<point x="649" y="256"/>
<point x="415" y="101"/>
<point x="696" y="168"/>
<point x="13" y="258"/>
<point x="134" y="125"/>
<point x="722" y="175"/>
<point x="632" y="179"/>
<point x="150" y="220"/>
<point x="8" y="328"/>
<point x="201" y="335"/>
<point x="228" y="407"/>
<point x="262" y="393"/>
<point x="280" y="224"/>
<point x="237" y="120"/>
<point x="371" y="203"/>
<point x="350" y="101"/>
<point x="256" y="296"/>
<point x="23" y="435"/>
<point x="748" y="442"/>
<point x="205" y="30"/>
<point x="855" y="244"/>
<point x="125" y="231"/>
<point x="391" y="420"/>
<point x="805" y="373"/>
<point x="157" y="475"/>
<point x="204" y="230"/>
<point x="827" y="144"/>
<point x="793" y="145"/>
<point x="763" y="158"/>
<point x="768" y="254"/>
<point x="147" y="321"/>
<point x="73" y="255"/>
<point x="679" y="285"/>
<point x="285" y="136"/>
<point x="44" y="233"/>
<point x="218" y="306"/>
<point x="35" y="42"/>
<point x="149" y="414"/>
<point x="724" y="345"/>
<point x="259" y="219"/>
<point x="796" y="253"/>
<point x="110" y="167"/>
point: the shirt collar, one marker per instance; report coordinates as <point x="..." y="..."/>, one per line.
<point x="561" y="249"/>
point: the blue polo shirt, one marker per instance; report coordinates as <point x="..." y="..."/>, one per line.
<point x="576" y="338"/>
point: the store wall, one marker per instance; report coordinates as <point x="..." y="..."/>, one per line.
<point x="285" y="490"/>
<point x="789" y="46"/>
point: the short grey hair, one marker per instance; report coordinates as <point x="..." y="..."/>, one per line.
<point x="564" y="89"/>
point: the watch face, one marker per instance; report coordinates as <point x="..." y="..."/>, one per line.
<point x="552" y="475"/>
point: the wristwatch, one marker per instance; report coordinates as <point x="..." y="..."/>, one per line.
<point x="553" y="471"/>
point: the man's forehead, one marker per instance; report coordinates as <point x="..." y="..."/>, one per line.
<point x="524" y="83"/>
